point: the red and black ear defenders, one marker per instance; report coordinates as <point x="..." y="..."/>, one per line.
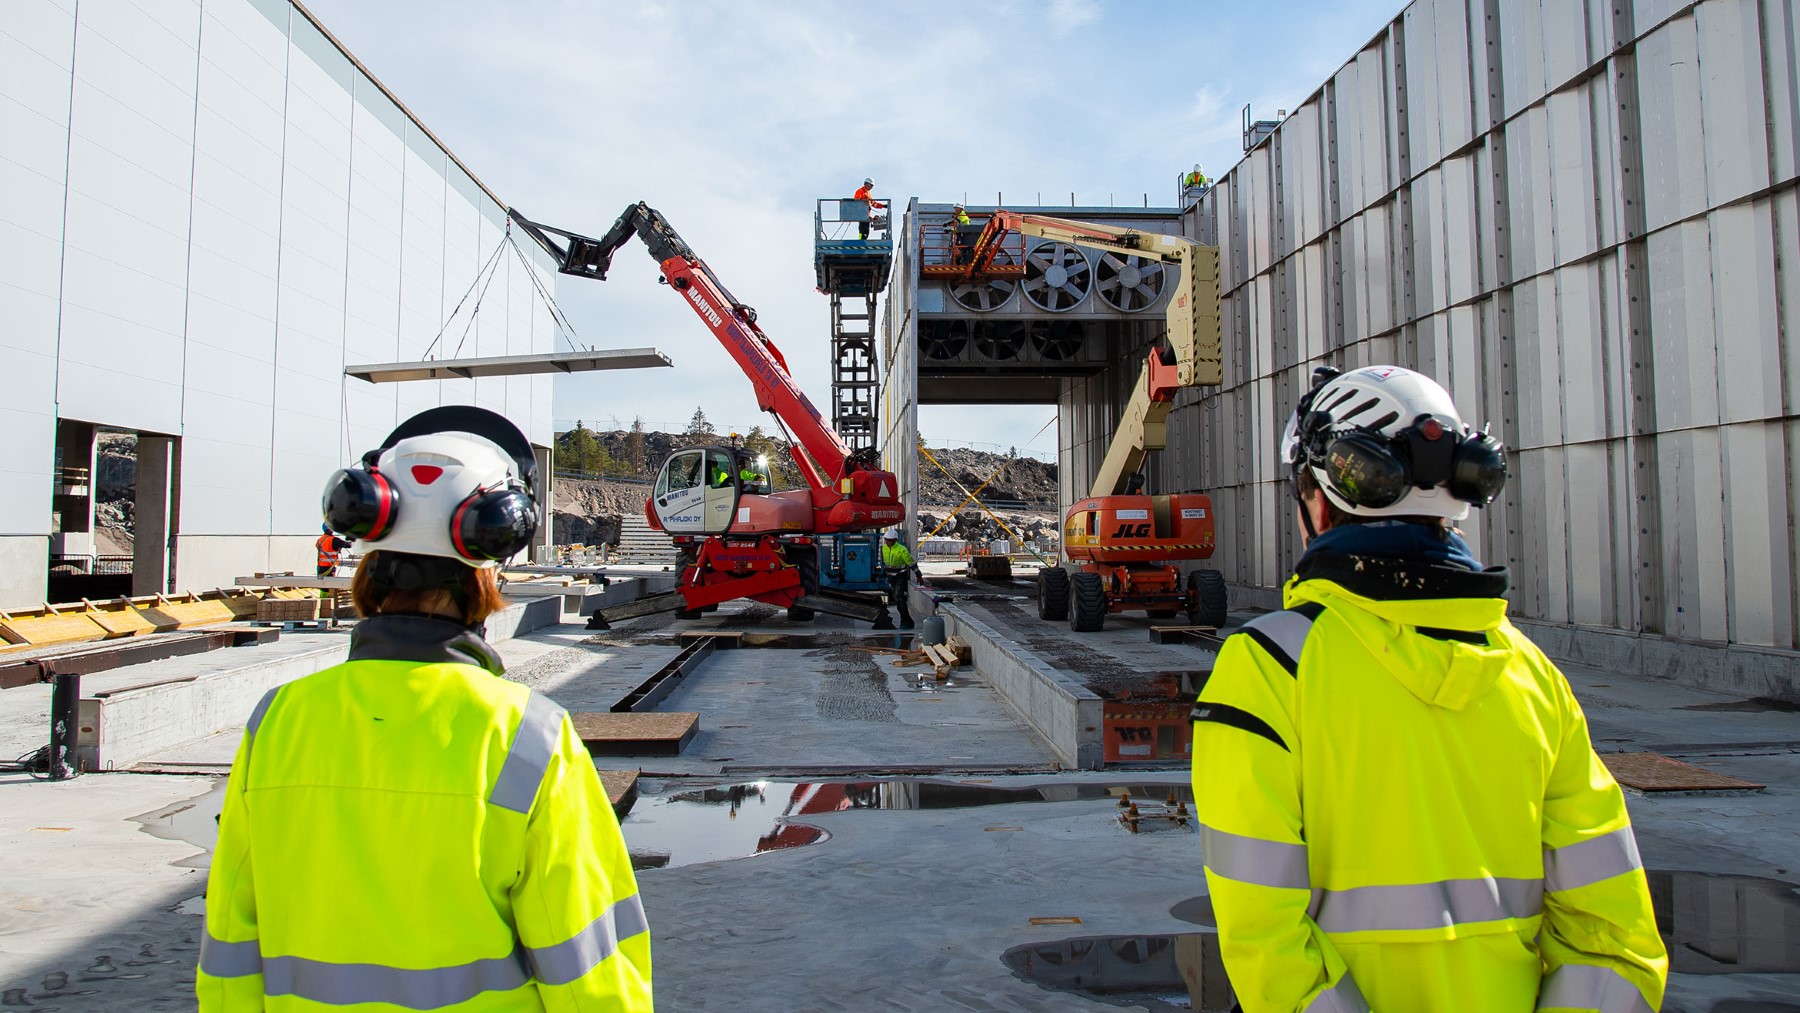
<point x="1374" y="471"/>
<point x="489" y="524"/>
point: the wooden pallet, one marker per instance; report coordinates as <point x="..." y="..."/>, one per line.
<point x="1648" y="771"/>
<point x="647" y="733"/>
<point x="943" y="658"/>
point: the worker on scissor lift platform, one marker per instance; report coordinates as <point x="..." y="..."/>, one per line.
<point x="865" y="193"/>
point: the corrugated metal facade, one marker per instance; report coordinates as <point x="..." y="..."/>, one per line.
<point x="899" y="421"/>
<point x="1580" y="216"/>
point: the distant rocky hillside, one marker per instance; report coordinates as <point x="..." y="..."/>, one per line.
<point x="616" y="464"/>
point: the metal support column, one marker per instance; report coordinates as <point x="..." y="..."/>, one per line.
<point x="853" y="358"/>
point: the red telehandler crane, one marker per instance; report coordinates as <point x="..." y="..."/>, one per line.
<point x="737" y="539"/>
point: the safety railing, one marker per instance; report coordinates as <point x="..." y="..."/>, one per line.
<point x="836" y="219"/>
<point x="948" y="250"/>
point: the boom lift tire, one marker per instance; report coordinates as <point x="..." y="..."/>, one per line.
<point x="689" y="615"/>
<point x="1207" y="598"/>
<point x="1087" y="603"/>
<point x="1053" y="593"/>
<point x="806" y="560"/>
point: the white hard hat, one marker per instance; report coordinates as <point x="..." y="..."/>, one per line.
<point x="1385" y="441"/>
<point x="891" y="534"/>
<point x="451" y="482"/>
<point x="868" y="181"/>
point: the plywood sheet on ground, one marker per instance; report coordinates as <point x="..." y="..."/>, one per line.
<point x="1647" y="771"/>
<point x="654" y="733"/>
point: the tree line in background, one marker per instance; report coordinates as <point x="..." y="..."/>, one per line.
<point x="638" y="452"/>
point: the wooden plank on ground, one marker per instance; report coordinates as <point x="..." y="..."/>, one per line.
<point x="645" y="733"/>
<point x="621" y="789"/>
<point x="65" y="628"/>
<point x="124" y="622"/>
<point x="1648" y="771"/>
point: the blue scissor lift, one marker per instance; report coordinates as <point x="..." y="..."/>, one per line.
<point x="852" y="269"/>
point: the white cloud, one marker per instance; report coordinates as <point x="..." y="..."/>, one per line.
<point x="1068" y="15"/>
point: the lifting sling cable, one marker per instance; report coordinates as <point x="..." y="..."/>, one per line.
<point x="485" y="268"/>
<point x="984" y="485"/>
<point x="557" y="316"/>
<point x="923" y="449"/>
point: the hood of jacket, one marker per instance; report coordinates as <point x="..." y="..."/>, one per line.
<point x="1434" y="621"/>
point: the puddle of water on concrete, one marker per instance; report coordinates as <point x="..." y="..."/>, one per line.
<point x="731" y="821"/>
<point x="753" y="818"/>
<point x="1147" y="970"/>
<point x="195" y="820"/>
<point x="1727" y="924"/>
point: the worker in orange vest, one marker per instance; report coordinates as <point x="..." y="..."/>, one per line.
<point x="329" y="545"/>
<point x="864" y="194"/>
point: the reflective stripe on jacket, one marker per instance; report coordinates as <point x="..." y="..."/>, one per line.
<point x="407" y="835"/>
<point x="1452" y="802"/>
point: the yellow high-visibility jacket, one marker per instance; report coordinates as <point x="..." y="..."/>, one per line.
<point x="405" y="831"/>
<point x="1401" y="810"/>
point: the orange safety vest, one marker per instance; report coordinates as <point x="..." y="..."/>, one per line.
<point x="863" y="194"/>
<point x="328" y="555"/>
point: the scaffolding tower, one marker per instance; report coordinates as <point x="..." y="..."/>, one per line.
<point x="852" y="269"/>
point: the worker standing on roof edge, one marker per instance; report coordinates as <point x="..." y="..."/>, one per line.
<point x="865" y="193"/>
<point x="900" y="568"/>
<point x="408" y="830"/>
<point x="1400" y="806"/>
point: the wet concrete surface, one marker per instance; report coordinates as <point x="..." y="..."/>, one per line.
<point x="909" y="903"/>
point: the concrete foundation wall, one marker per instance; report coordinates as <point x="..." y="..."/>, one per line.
<point x="1067" y="715"/>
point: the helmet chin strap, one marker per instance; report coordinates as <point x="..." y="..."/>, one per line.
<point x="1305" y="511"/>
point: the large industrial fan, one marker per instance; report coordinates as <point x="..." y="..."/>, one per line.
<point x="1057" y="276"/>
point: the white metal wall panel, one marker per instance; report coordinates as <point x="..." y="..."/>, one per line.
<point x="1731" y="96"/>
<point x="1786" y="213"/>
<point x="1669" y="109"/>
<point x="227" y="412"/>
<point x="1455" y="110"/>
<point x="1564" y="27"/>
<point x="423" y="305"/>
<point x="1743" y="271"/>
<point x="1522" y="53"/>
<point x="1588" y="537"/>
<point x="1781" y="54"/>
<point x="1681" y="326"/>
<point x="130" y="163"/>
<point x="1424" y="131"/>
<point x="1430" y="284"/>
<point x="1580" y="386"/>
<point x="1757" y="534"/>
<point x="309" y="351"/>
<point x="1537" y="343"/>
<point x="1693" y="534"/>
<point x="1461" y="239"/>
<point x="36" y="55"/>
<point x="372" y="275"/>
<point x="1571" y="179"/>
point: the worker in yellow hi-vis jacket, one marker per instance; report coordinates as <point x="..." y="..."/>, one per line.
<point x="1400" y="806"/>
<point x="407" y="830"/>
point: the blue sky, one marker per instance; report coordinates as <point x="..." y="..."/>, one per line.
<point x="732" y="117"/>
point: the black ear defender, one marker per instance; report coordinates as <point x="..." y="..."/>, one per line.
<point x="494" y="524"/>
<point x="360" y="504"/>
<point x="1374" y="471"/>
